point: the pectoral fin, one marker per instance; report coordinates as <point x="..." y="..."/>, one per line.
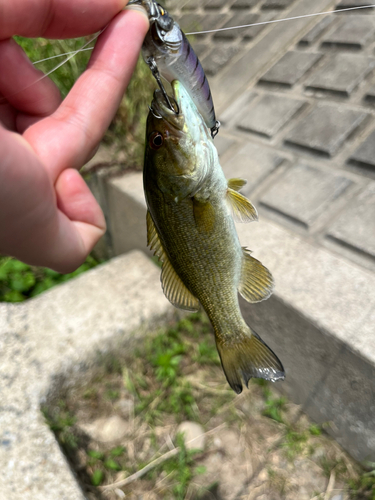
<point x="236" y="184"/>
<point x="256" y="280"/>
<point x="173" y="287"/>
<point x="242" y="209"/>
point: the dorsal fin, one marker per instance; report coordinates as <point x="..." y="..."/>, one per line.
<point x="242" y="209"/>
<point x="256" y="281"/>
<point x="173" y="287"/>
<point x="237" y="184"/>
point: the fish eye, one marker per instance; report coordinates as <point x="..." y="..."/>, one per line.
<point x="156" y="140"/>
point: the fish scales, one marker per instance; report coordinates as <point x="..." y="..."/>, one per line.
<point x="191" y="229"/>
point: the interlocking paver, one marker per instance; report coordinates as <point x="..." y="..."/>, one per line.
<point x="243" y="4"/>
<point x="347" y="4"/>
<point x="252" y="31"/>
<point x="191" y="23"/>
<point x="200" y="48"/>
<point x="276" y="4"/>
<point x="365" y="153"/>
<point x="269" y="114"/>
<point x="370" y="94"/>
<point x="317" y="31"/>
<point x="354" y="31"/>
<point x="218" y="57"/>
<point x="238" y="19"/>
<point x="291" y="67"/>
<point x="356" y="225"/>
<point x="325" y="128"/>
<point x="215" y="4"/>
<point x="223" y="143"/>
<point x="304" y="192"/>
<point x="342" y="73"/>
<point x="253" y="163"/>
<point x="192" y="4"/>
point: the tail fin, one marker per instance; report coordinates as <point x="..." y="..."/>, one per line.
<point x="246" y="355"/>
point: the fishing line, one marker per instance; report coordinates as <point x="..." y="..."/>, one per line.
<point x="282" y="20"/>
<point x="62" y="55"/>
<point x="84" y="47"/>
<point x="72" y="54"/>
<point x="214" y="31"/>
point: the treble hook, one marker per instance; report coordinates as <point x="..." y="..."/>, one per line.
<point x="155" y="72"/>
<point x="153" y="112"/>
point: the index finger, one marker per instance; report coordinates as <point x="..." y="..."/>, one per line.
<point x="56" y="18"/>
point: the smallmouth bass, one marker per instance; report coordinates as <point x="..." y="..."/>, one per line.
<point x="191" y="229"/>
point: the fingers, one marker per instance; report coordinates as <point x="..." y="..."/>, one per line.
<point x="56" y="18"/>
<point x="36" y="225"/>
<point x="67" y="138"/>
<point x="21" y="83"/>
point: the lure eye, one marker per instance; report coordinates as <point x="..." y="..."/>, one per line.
<point x="156" y="140"/>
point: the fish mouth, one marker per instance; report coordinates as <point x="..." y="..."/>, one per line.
<point x="168" y="111"/>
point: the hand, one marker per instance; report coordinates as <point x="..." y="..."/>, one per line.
<point x="48" y="216"/>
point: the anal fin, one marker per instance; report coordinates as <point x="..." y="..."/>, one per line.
<point x="256" y="281"/>
<point x="173" y="287"/>
<point x="242" y="209"/>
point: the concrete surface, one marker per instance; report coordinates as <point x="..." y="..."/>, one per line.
<point x="49" y="342"/>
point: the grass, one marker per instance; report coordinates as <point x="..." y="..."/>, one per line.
<point x="173" y="377"/>
<point x="19" y="281"/>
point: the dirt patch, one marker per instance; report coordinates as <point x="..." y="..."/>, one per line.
<point x="119" y="431"/>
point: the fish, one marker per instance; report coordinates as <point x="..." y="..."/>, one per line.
<point x="167" y="51"/>
<point x="191" y="209"/>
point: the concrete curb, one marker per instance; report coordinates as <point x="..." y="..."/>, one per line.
<point x="48" y="343"/>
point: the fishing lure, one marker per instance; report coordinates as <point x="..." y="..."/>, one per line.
<point x="169" y="54"/>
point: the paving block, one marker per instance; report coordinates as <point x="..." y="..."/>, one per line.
<point x="317" y="30"/>
<point x="253" y="163"/>
<point x="200" y="48"/>
<point x="218" y="57"/>
<point x="215" y="4"/>
<point x="269" y="114"/>
<point x="355" y="227"/>
<point x="235" y="109"/>
<point x="370" y="94"/>
<point x="291" y="67"/>
<point x="243" y="4"/>
<point x="353" y="31"/>
<point x="325" y="129"/>
<point x="223" y="143"/>
<point x="238" y="19"/>
<point x="238" y="76"/>
<point x="348" y="4"/>
<point x="193" y="4"/>
<point x="364" y="155"/>
<point x="252" y="31"/>
<point x="304" y="192"/>
<point x="341" y="74"/>
<point x="277" y="4"/>
<point x="192" y="23"/>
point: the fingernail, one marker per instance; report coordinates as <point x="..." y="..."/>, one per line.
<point x="137" y="8"/>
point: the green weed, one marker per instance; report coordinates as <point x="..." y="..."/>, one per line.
<point x="19" y="281"/>
<point x="363" y="488"/>
<point x="61" y="422"/>
<point x="274" y="406"/>
<point x="180" y="469"/>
